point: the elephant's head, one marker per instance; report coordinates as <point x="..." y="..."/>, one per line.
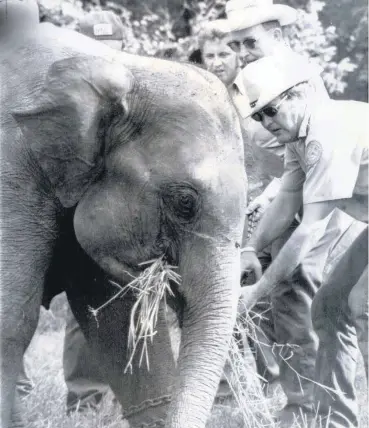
<point x="151" y="154"/>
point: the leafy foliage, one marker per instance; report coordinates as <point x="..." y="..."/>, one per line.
<point x="323" y="32"/>
<point x="351" y="22"/>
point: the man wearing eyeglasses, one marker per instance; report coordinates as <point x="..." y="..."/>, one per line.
<point x="326" y="171"/>
<point x="256" y="27"/>
<point x="256" y="31"/>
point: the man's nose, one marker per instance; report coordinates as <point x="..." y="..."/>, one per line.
<point x="266" y="120"/>
<point x="217" y="61"/>
<point x="243" y="54"/>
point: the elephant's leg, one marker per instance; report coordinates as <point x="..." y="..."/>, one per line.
<point x="26" y="247"/>
<point x="20" y="302"/>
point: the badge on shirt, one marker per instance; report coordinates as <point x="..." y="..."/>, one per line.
<point x="313" y="152"/>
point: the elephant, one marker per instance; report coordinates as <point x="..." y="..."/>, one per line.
<point x="110" y="160"/>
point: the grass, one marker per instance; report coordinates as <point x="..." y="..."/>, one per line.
<point x="45" y="406"/>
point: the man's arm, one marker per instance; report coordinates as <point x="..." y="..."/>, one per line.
<point x="257" y="207"/>
<point x="261" y="202"/>
<point x="293" y="252"/>
<point x="274" y="222"/>
<point x="278" y="216"/>
<point x="276" y="219"/>
<point x="272" y="189"/>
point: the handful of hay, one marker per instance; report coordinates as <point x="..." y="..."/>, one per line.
<point x="243" y="378"/>
<point x="150" y="288"/>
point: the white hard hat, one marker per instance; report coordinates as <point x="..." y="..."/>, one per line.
<point x="267" y="78"/>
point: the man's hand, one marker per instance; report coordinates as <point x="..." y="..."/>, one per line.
<point x="258" y="206"/>
<point x="249" y="296"/>
<point x="250" y="263"/>
<point x="255" y="211"/>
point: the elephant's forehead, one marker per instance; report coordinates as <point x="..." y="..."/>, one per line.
<point x="207" y="172"/>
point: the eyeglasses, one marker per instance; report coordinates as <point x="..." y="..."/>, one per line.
<point x="269" y="111"/>
<point x="249" y="43"/>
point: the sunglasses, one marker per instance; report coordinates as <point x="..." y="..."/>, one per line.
<point x="249" y="43"/>
<point x="269" y="111"/>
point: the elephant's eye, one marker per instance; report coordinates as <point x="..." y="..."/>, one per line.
<point x="186" y="205"/>
<point x="182" y="200"/>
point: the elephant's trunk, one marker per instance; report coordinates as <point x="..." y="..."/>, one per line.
<point x="211" y="296"/>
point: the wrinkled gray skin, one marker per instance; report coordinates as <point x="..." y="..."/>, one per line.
<point x="110" y="160"/>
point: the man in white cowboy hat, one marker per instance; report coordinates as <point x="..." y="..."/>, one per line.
<point x="257" y="27"/>
<point x="326" y="171"/>
<point x="256" y="31"/>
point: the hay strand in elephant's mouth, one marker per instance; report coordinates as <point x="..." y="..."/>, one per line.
<point x="150" y="289"/>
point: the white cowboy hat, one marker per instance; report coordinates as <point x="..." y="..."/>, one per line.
<point x="243" y="14"/>
<point x="267" y="78"/>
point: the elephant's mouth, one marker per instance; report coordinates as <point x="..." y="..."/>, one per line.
<point x="128" y="273"/>
<point x="177" y="302"/>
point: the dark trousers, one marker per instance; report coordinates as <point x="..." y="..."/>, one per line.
<point x="287" y="345"/>
<point x="340" y="318"/>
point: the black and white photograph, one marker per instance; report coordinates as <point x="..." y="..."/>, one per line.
<point x="184" y="214"/>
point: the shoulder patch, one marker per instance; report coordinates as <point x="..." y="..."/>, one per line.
<point x="313" y="152"/>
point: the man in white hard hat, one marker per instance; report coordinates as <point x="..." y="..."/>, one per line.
<point x="326" y="171"/>
<point x="257" y="31"/>
<point x="104" y="26"/>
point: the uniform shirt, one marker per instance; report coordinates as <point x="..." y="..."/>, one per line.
<point x="330" y="159"/>
<point x="264" y="155"/>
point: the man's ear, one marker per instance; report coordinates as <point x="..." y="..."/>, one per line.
<point x="61" y="125"/>
<point x="278" y="34"/>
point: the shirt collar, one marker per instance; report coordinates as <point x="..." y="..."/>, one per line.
<point x="239" y="97"/>
<point x="238" y="86"/>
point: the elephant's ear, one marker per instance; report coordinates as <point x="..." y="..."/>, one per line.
<point x="63" y="125"/>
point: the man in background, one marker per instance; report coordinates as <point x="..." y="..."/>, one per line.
<point x="104" y="26"/>
<point x="217" y="56"/>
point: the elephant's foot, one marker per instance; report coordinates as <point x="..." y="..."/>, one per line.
<point x="151" y="413"/>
